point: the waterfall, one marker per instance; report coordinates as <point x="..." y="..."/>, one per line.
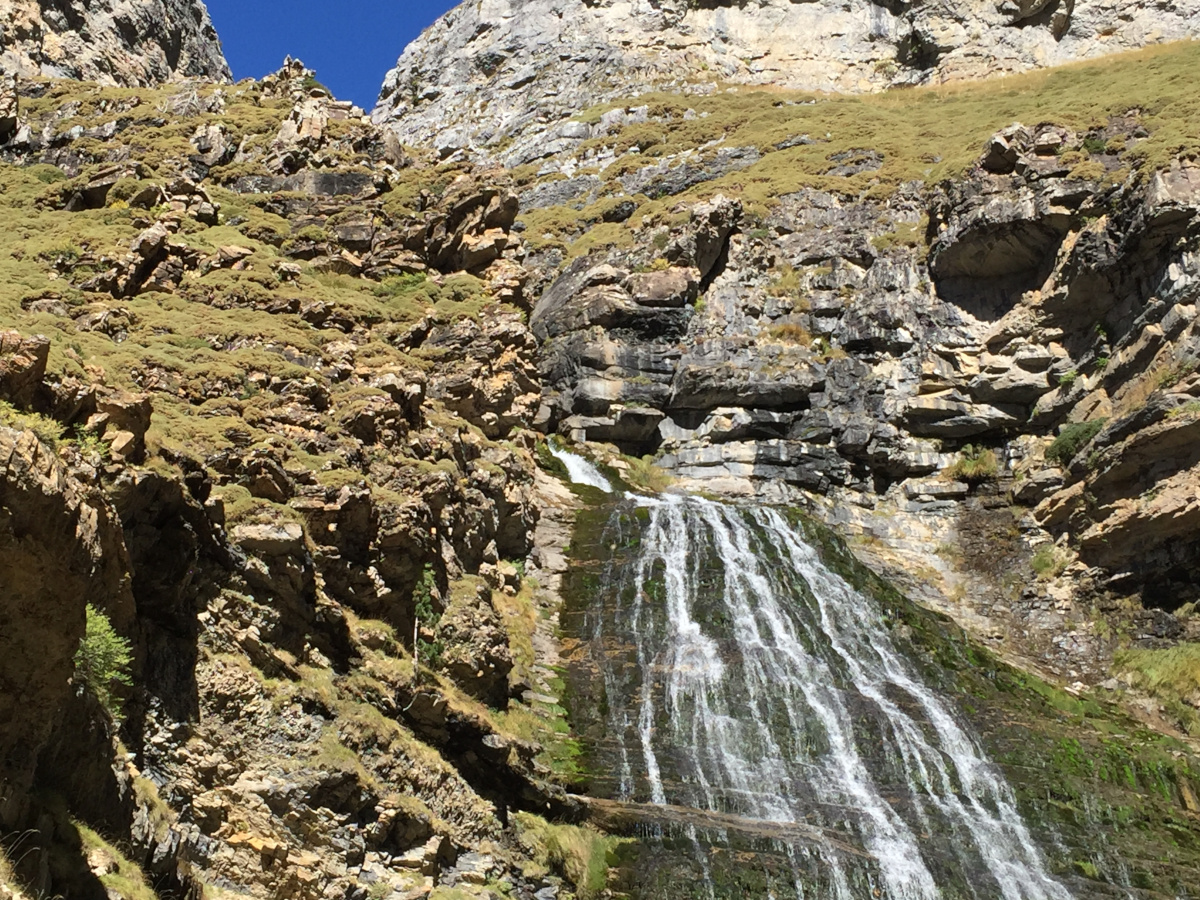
<point x="579" y="470"/>
<point x="749" y="690"/>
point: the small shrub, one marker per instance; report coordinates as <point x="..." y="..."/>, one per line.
<point x="786" y="282"/>
<point x="790" y="333"/>
<point x="124" y="190"/>
<point x="313" y="233"/>
<point x="1047" y="562"/>
<point x="427" y="616"/>
<point x="974" y="464"/>
<point x="1090" y="170"/>
<point x="1094" y="143"/>
<point x="47" y="174"/>
<point x="1175" y="373"/>
<point x="48" y="431"/>
<point x="90" y="445"/>
<point x="1068" y="378"/>
<point x="579" y="854"/>
<point x="398" y="285"/>
<point x="1101" y="363"/>
<point x="102" y="661"/>
<point x="644" y="474"/>
<point x="309" y="83"/>
<point x="1071" y="440"/>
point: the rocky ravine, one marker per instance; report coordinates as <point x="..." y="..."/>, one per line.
<point x="126" y="42"/>
<point x="504" y="79"/>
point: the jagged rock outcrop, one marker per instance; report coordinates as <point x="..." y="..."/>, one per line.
<point x="505" y="80"/>
<point x="126" y="42"/>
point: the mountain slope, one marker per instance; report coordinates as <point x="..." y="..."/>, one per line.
<point x="501" y="78"/>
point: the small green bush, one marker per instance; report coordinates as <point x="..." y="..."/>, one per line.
<point x="47" y="174"/>
<point x="102" y="661"/>
<point x="1047" y="562"/>
<point x="974" y="464"/>
<point x="125" y="189"/>
<point x="1071" y="440"/>
<point x="310" y="83"/>
<point x="399" y="285"/>
<point x="427" y="616"/>
<point x="48" y="431"/>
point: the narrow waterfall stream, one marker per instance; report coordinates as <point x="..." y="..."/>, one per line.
<point x="758" y="699"/>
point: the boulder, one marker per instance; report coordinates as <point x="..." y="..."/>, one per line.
<point x="672" y="287"/>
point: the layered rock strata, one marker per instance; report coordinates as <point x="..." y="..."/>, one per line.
<point x="817" y="352"/>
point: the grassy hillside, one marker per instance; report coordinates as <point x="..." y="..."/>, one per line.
<point x="924" y="134"/>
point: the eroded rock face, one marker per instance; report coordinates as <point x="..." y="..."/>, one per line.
<point x="124" y="42"/>
<point x="53" y="539"/>
<point x="503" y="79"/>
<point x="826" y="354"/>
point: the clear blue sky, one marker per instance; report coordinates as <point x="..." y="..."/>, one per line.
<point x="351" y="45"/>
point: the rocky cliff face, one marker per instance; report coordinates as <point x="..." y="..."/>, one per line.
<point x="504" y="79"/>
<point x="910" y="350"/>
<point x="126" y="42"/>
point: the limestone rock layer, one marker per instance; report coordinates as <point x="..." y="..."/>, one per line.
<point x="132" y="43"/>
<point x="502" y="78"/>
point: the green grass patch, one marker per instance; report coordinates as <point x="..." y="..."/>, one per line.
<point x="579" y="854"/>
<point x="1048" y="562"/>
<point x="1071" y="439"/>
<point x="1172" y="675"/>
<point x="126" y="879"/>
<point x="974" y="465"/>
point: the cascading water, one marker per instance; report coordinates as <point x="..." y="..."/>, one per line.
<point x="580" y="470"/>
<point x="759" y="700"/>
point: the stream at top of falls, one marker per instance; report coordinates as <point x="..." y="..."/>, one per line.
<point x="757" y="697"/>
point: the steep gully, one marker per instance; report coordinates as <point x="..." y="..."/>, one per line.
<point x="752" y="693"/>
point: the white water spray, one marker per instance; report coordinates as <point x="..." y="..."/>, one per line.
<point x="759" y="684"/>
